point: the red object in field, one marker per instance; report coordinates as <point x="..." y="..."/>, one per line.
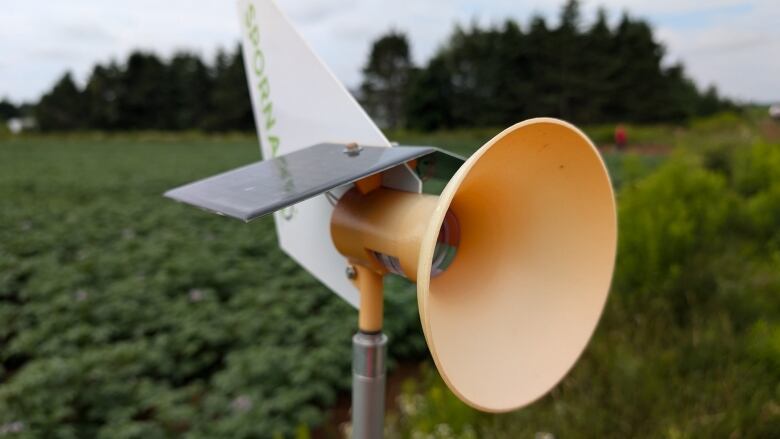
<point x="621" y="138"/>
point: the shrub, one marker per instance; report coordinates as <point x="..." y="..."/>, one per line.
<point x="666" y="221"/>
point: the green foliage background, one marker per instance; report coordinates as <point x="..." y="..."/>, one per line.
<point x="125" y="315"/>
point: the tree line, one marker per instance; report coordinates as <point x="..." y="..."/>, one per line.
<point x="500" y="74"/>
<point x="150" y="93"/>
<point x="481" y="76"/>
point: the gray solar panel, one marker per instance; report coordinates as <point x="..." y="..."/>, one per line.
<point x="261" y="188"/>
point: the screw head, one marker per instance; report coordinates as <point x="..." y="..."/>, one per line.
<point x="352" y="149"/>
<point x="351" y="272"/>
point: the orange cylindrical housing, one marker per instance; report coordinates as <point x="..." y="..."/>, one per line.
<point x="383" y="222"/>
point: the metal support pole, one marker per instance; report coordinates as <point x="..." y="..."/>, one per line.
<point x="369" y="348"/>
<point x="368" y="385"/>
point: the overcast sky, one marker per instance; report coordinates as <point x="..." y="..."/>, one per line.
<point x="732" y="44"/>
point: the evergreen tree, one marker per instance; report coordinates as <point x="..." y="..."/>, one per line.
<point x="601" y="69"/>
<point x="230" y="105"/>
<point x="62" y="108"/>
<point x="191" y="89"/>
<point x="145" y="94"/>
<point x="430" y="100"/>
<point x="386" y="78"/>
<point x="8" y="110"/>
<point x="569" y="61"/>
<point x="541" y="47"/>
<point x="102" y="94"/>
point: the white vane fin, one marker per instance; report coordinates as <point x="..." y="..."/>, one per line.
<point x="298" y="102"/>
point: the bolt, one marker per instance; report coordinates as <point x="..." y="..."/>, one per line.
<point x="352" y="149"/>
<point x="351" y="272"/>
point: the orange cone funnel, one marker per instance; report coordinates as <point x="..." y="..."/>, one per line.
<point x="516" y="307"/>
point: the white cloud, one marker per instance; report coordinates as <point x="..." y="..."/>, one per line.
<point x="733" y="44"/>
<point x="738" y="52"/>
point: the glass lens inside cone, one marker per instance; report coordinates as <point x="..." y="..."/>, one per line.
<point x="391" y="263"/>
<point x="446" y="244"/>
